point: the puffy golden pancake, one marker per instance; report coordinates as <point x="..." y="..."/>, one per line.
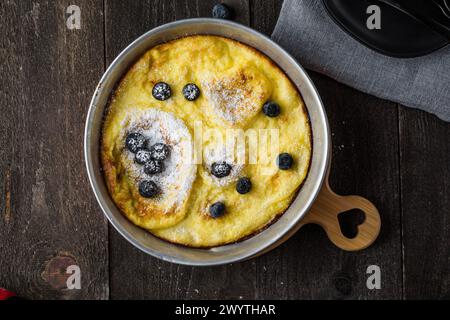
<point x="178" y="159"/>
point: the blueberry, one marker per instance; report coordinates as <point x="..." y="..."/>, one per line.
<point x="135" y="142"/>
<point x="217" y="210"/>
<point x="222" y="11"/>
<point x="161" y="91"/>
<point x="244" y="185"/>
<point x="285" y="161"/>
<point x="142" y="156"/>
<point x="148" y="189"/>
<point x="153" y="167"/>
<point x="271" y="109"/>
<point x="220" y="169"/>
<point x="191" y="92"/>
<point x="159" y="151"/>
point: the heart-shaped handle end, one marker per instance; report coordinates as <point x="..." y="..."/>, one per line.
<point x="329" y="205"/>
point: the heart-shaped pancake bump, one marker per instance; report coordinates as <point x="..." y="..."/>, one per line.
<point x="238" y="96"/>
<point x="174" y="182"/>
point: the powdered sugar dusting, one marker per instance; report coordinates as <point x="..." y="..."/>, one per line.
<point x="231" y="98"/>
<point x="157" y="126"/>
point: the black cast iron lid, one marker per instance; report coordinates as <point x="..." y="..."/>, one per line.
<point x="409" y="28"/>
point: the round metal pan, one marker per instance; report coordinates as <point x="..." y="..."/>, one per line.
<point x="264" y="241"/>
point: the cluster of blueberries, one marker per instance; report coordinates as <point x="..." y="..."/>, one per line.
<point x="152" y="158"/>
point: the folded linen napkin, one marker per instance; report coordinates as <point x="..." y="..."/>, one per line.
<point x="306" y="31"/>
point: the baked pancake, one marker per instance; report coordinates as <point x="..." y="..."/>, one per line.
<point x="205" y="142"/>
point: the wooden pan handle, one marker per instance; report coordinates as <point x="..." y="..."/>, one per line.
<point x="326" y="209"/>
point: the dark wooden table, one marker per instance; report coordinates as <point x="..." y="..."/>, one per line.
<point x="49" y="219"/>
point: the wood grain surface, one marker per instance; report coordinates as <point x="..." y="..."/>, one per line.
<point x="397" y="157"/>
<point x="49" y="217"/>
<point x="425" y="194"/>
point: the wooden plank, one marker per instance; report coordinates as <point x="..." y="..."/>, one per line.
<point x="49" y="218"/>
<point x="126" y="21"/>
<point x="365" y="162"/>
<point x="264" y="15"/>
<point x="425" y="193"/>
<point x="134" y="274"/>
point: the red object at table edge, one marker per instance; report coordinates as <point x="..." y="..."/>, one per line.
<point x="5" y="294"/>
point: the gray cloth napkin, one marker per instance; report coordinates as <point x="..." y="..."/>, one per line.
<point x="311" y="36"/>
